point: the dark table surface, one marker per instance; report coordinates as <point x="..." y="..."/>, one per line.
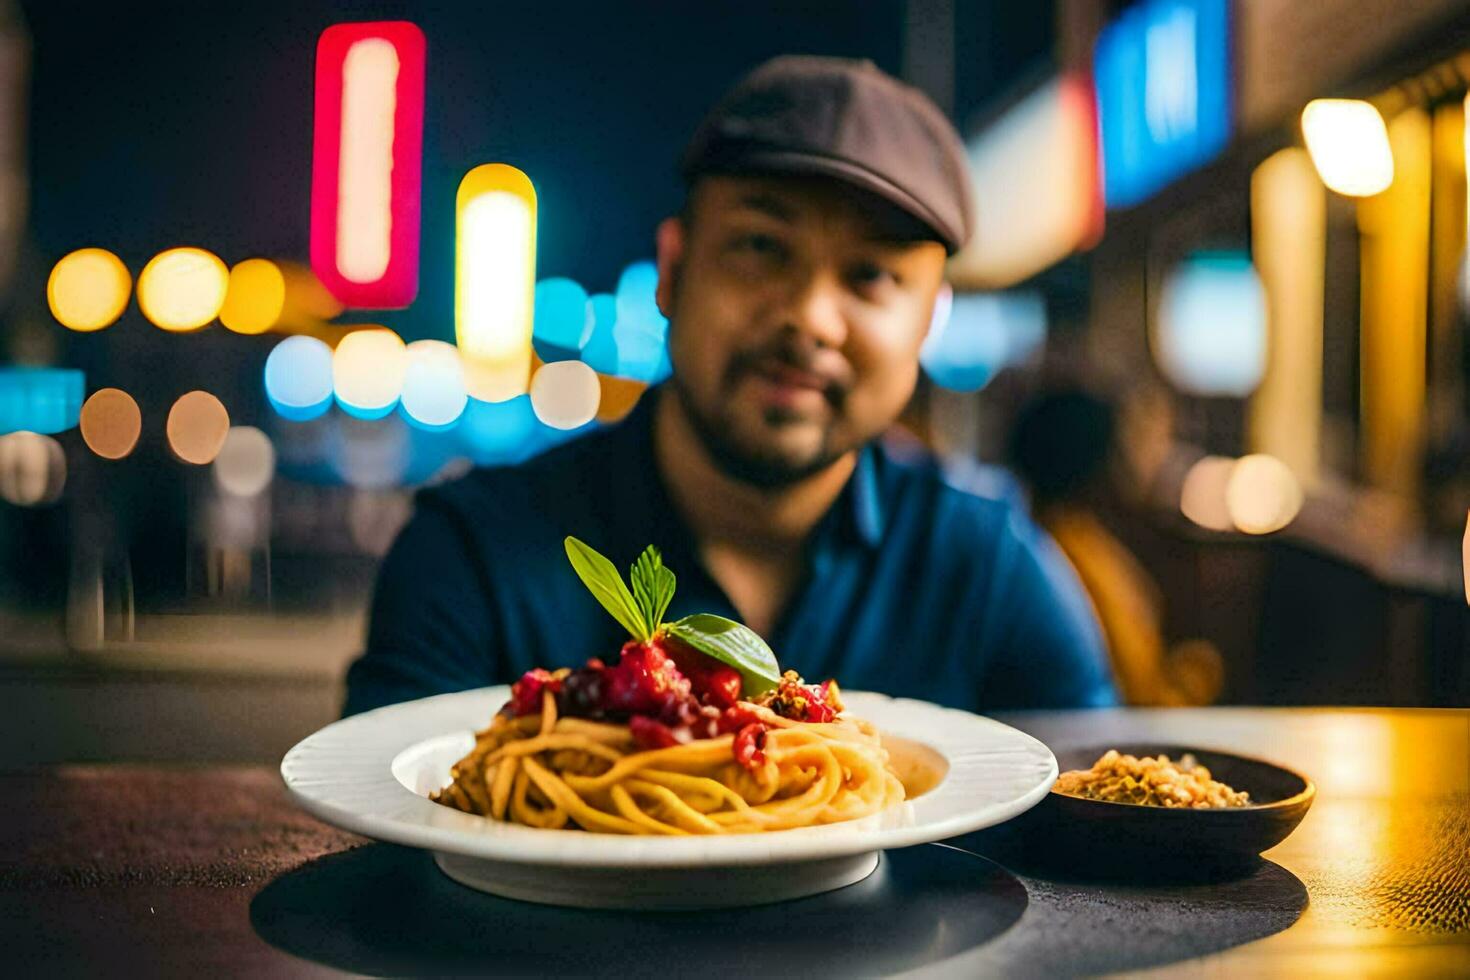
<point x="150" y="870"/>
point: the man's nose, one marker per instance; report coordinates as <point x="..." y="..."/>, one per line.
<point x="818" y="309"/>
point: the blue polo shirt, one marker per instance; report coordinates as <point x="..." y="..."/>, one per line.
<point x="915" y="585"/>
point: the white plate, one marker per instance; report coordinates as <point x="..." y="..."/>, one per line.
<point x="372" y="774"/>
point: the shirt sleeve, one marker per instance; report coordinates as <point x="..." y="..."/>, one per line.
<point x="1043" y="645"/>
<point x="430" y="628"/>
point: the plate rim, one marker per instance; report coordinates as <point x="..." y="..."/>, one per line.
<point x="406" y="822"/>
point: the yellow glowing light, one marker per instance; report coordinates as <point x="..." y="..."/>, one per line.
<point x="88" y="289"/>
<point x="182" y="288"/>
<point x="365" y="169"/>
<point x="254" y="298"/>
<point x="110" y="423"/>
<point x="619" y="395"/>
<point x="565" y="394"/>
<point x="1202" y="497"/>
<point x="32" y="469"/>
<point x="1348" y="142"/>
<point x="1263" y="495"/>
<point x="197" y="426"/>
<point x="367" y="371"/>
<point x="495" y="278"/>
<point x="246" y="463"/>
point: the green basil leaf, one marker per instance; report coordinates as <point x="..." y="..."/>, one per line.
<point x="733" y="644"/>
<point x="606" y="585"/>
<point x="653" y="586"/>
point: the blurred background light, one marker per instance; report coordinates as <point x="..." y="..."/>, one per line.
<point x="1202" y="495"/>
<point x="1036" y="183"/>
<point x="111" y="423"/>
<point x="640" y="331"/>
<point x="1211" y="332"/>
<point x="182" y="288"/>
<point x="370" y="455"/>
<point x="600" y="352"/>
<point x="433" y="384"/>
<point x="561" y="318"/>
<point x="43" y="400"/>
<point x="368" y="371"/>
<point x="255" y="297"/>
<point x="495" y="279"/>
<point x="975" y="335"/>
<point x="88" y="289"/>
<point x="197" y="426"/>
<point x="32" y="469"/>
<point x="619" y="395"/>
<point x="367" y="160"/>
<point x="1262" y="495"/>
<point x="1162" y="75"/>
<point x="298" y="378"/>
<point x="498" y="432"/>
<point x="1348" y="142"/>
<point x="565" y="394"/>
<point x="246" y="462"/>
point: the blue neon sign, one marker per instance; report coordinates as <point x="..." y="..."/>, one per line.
<point x="1162" y="74"/>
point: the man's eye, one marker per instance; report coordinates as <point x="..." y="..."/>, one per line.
<point x="870" y="274"/>
<point x="758" y="244"/>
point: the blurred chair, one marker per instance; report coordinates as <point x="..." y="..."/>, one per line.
<point x="1062" y="445"/>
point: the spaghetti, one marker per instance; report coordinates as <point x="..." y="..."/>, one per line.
<point x="551" y="771"/>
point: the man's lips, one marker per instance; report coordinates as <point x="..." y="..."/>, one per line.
<point x="793" y="377"/>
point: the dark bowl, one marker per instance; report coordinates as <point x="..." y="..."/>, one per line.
<point x="1098" y="836"/>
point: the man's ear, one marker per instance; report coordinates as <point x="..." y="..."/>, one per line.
<point x="670" y="242"/>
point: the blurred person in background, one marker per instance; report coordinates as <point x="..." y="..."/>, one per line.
<point x="823" y="197"/>
<point x="1064" y="445"/>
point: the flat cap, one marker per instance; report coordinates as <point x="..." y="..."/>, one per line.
<point x="834" y="117"/>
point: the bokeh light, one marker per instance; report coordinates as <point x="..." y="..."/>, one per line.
<point x="88" y="289"/>
<point x="197" y="426"/>
<point x="565" y="394"/>
<point x="246" y="462"/>
<point x="498" y="432"/>
<point x="619" y="395"/>
<point x="561" y="318"/>
<point x="433" y="385"/>
<point x="254" y="297"/>
<point x="370" y="455"/>
<point x="1211" y="331"/>
<point x="1263" y="495"/>
<point x="32" y="469"/>
<point x="981" y="334"/>
<point x="110" y="423"/>
<point x="43" y="400"/>
<point x="495" y="278"/>
<point x="640" y="330"/>
<point x="367" y="372"/>
<point x="1349" y="146"/>
<point x="298" y="378"/>
<point x="1202" y="496"/>
<point x="600" y="351"/>
<point x="182" y="288"/>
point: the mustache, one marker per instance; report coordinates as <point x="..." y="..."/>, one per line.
<point x="832" y="372"/>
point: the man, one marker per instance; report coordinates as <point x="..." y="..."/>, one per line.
<point x="799" y="282"/>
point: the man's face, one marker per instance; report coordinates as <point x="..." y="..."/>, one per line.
<point x="797" y="308"/>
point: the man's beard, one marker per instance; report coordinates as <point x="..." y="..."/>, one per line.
<point x="768" y="471"/>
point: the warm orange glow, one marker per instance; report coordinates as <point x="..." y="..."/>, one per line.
<point x="110" y="423"/>
<point x="183" y="288"/>
<point x="1202" y="497"/>
<point x="1262" y="496"/>
<point x="619" y="395"/>
<point x="495" y="279"/>
<point x="255" y="297"/>
<point x="88" y="289"/>
<point x="365" y="175"/>
<point x="367" y="371"/>
<point x="197" y="426"/>
<point x="1349" y="146"/>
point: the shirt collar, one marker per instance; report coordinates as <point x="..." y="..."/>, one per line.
<point x="860" y="511"/>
